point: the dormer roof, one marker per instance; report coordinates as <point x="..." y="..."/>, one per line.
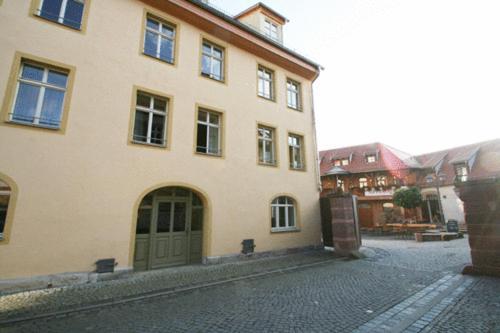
<point x="266" y="10"/>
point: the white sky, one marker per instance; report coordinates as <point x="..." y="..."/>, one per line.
<point x="419" y="75"/>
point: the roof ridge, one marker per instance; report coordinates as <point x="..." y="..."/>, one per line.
<point x="457" y="147"/>
<point x="349" y="147"/>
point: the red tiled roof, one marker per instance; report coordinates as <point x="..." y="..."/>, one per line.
<point x="483" y="157"/>
<point x="389" y="159"/>
<point x="486" y="164"/>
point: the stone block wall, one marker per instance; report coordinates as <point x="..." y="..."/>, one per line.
<point x="344" y="228"/>
<point x="482" y="216"/>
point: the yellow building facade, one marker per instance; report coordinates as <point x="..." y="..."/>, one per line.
<point x="157" y="133"/>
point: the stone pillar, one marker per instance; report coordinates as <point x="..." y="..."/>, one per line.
<point x="482" y="216"/>
<point x="345" y="230"/>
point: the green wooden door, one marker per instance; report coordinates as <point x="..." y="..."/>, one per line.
<point x="169" y="235"/>
<point x="169" y="231"/>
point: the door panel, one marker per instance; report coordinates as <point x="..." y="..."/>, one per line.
<point x="179" y="216"/>
<point x="169" y="238"/>
<point x="195" y="246"/>
<point x="164" y="217"/>
<point x="179" y="247"/>
<point x="161" y="248"/>
<point x="141" y="255"/>
<point x="160" y="240"/>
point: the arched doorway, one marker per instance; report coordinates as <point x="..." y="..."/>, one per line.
<point x="169" y="229"/>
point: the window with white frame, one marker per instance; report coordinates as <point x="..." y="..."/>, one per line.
<point x="363" y="182"/>
<point x="265" y="83"/>
<point x="150" y="123"/>
<point x="212" y="61"/>
<point x="340" y="184"/>
<point x="4" y="205"/>
<point x="462" y="172"/>
<point x="283" y="214"/>
<point x="40" y="94"/>
<point x="295" y="149"/>
<point x="159" y="40"/>
<point x="271" y="30"/>
<point x="371" y="158"/>
<point x="66" y="12"/>
<point x="293" y="94"/>
<point x="266" y="145"/>
<point x="208" y="137"/>
<point x="381" y="181"/>
<point x="341" y="162"/>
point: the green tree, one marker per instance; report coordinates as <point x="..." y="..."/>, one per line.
<point x="408" y="197"/>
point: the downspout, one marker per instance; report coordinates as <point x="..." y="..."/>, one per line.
<point x="315" y="139"/>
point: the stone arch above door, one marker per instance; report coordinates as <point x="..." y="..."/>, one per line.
<point x="169" y="228"/>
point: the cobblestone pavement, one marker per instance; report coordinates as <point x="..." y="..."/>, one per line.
<point x="478" y="310"/>
<point x="55" y="299"/>
<point x="322" y="296"/>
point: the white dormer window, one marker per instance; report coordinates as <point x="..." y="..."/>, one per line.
<point x="271" y="30"/>
<point x="341" y="162"/>
<point x="462" y="172"/>
<point x="371" y="158"/>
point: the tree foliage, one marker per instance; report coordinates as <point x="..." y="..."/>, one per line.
<point x="408" y="197"/>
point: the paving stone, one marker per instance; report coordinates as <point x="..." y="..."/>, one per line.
<point x="322" y="298"/>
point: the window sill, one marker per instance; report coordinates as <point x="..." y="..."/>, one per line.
<point x="303" y="169"/>
<point x="223" y="81"/>
<point x="270" y="99"/>
<point x="31" y="125"/>
<point x="274" y="165"/>
<point x="58" y="23"/>
<point x="163" y="61"/>
<point x="282" y="230"/>
<point x="145" y="144"/>
<point x="208" y="154"/>
<point x="295" y="109"/>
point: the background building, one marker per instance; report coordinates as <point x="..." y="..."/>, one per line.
<point x="157" y="133"/>
<point x="374" y="171"/>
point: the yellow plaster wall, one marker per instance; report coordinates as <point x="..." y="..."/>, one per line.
<point x="77" y="192"/>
